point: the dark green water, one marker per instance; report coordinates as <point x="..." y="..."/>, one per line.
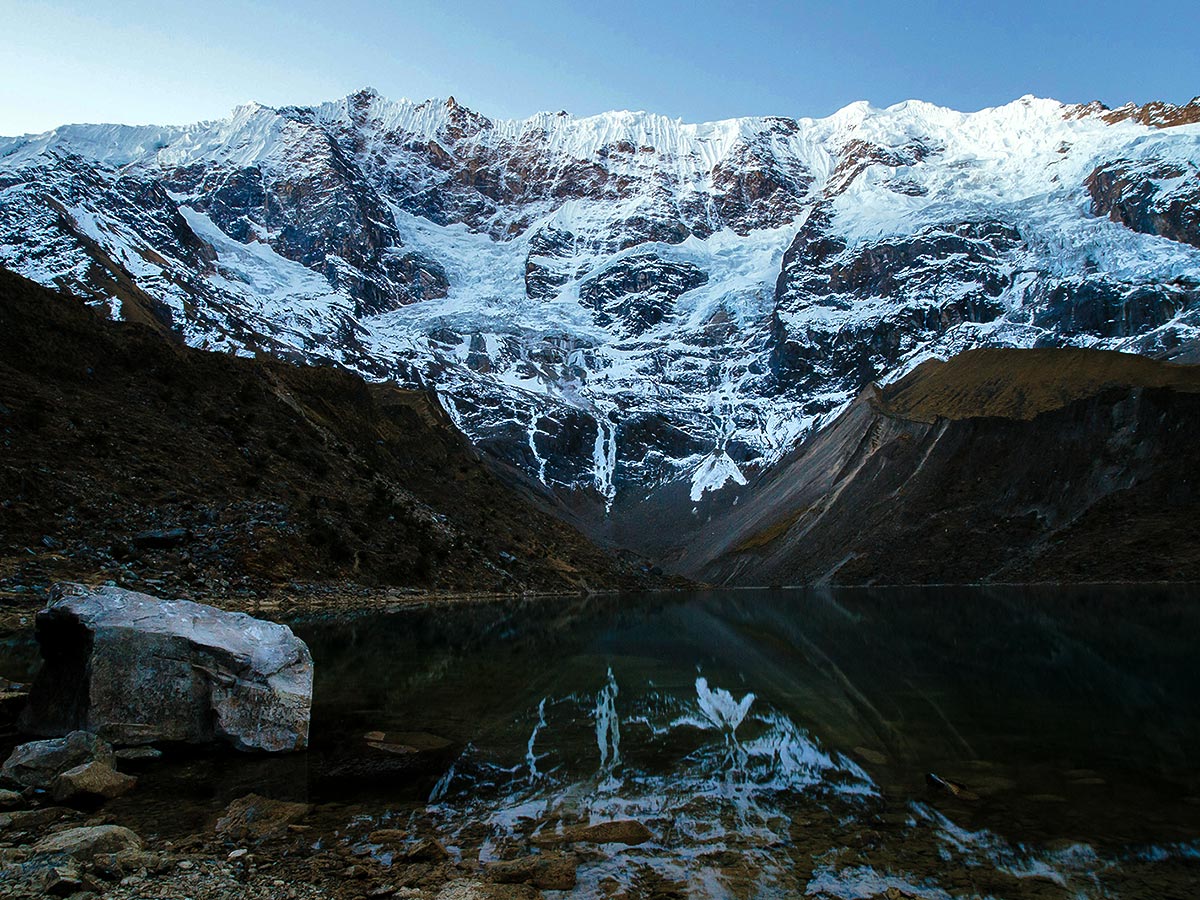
<point x="1071" y="716"/>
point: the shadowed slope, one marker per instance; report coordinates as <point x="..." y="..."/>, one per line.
<point x="129" y="457"/>
<point x="998" y="465"/>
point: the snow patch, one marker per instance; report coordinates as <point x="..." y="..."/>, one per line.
<point x="713" y="474"/>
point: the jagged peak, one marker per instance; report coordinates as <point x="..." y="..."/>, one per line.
<point x="251" y="129"/>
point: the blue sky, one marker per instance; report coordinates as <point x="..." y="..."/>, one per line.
<point x="166" y="62"/>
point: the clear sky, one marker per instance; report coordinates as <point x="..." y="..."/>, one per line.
<point x="171" y="62"/>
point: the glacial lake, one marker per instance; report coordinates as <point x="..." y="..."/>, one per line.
<point x="775" y="743"/>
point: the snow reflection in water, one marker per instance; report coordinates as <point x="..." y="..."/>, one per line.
<point x="740" y="801"/>
<point x="712" y="776"/>
<point x="775" y="743"/>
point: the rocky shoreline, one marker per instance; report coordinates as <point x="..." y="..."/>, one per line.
<point x="143" y="672"/>
<point x="257" y="848"/>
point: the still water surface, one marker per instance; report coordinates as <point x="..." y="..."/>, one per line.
<point x="776" y="743"/>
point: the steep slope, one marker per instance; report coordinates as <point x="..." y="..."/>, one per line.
<point x="627" y="308"/>
<point x="998" y="465"/>
<point x="202" y="474"/>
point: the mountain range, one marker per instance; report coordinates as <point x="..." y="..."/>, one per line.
<point x="647" y="317"/>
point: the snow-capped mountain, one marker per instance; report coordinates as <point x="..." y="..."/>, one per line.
<point x="625" y="305"/>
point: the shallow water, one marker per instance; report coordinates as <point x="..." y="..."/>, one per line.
<point x="776" y="743"/>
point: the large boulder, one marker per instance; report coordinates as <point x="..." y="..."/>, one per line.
<point x="135" y="669"/>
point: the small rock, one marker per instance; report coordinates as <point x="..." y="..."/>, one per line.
<point x="407" y="742"/>
<point x="623" y="831"/>
<point x="186" y="864"/>
<point x="63" y="881"/>
<point x="93" y="779"/>
<point x="257" y="818"/>
<point x="38" y="763"/>
<point x="33" y="819"/>
<point x="237" y="854"/>
<point x="9" y="799"/>
<point x="872" y="756"/>
<point x="388" y="836"/>
<point x="939" y="785"/>
<point x="161" y="538"/>
<point x="547" y="871"/>
<point x="136" y="754"/>
<point x="86" y="841"/>
<point x="425" y="850"/>
<point x="130" y="862"/>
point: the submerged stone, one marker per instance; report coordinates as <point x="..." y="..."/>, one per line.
<point x="257" y="818"/>
<point x="622" y="831"/>
<point x="548" y="871"/>
<point x="135" y="670"/>
<point x="91" y="780"/>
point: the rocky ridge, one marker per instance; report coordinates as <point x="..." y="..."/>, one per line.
<point x="625" y="306"/>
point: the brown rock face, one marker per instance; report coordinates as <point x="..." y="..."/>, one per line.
<point x="858" y="154"/>
<point x="1158" y="198"/>
<point x="1156" y="113"/>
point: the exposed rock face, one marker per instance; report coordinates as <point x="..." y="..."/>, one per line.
<point x="1153" y="198"/>
<point x="637" y="293"/>
<point x="1155" y="113"/>
<point x="135" y="669"/>
<point x="909" y="291"/>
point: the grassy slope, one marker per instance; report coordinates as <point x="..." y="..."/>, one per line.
<point x="1020" y="384"/>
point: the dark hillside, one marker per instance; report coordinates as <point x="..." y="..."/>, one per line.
<point x="997" y="465"/>
<point x="132" y="458"/>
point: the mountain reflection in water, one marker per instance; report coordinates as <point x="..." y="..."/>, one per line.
<point x="777" y="743"/>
